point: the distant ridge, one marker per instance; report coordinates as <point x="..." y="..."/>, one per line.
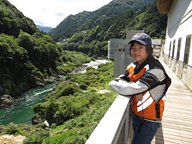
<point x="94" y="41"/>
<point x="87" y="20"/>
<point x="44" y="29"/>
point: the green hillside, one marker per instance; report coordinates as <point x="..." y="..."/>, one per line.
<point x="12" y="20"/>
<point x="28" y="57"/>
<point x="72" y="110"/>
<point x="94" y="41"/>
<point x="69" y="26"/>
<point x="87" y="20"/>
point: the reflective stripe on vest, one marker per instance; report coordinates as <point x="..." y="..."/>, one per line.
<point x="146" y="102"/>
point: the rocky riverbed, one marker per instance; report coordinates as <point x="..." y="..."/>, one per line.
<point x="7" y="100"/>
<point x="11" y="139"/>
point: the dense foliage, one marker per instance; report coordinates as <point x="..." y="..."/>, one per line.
<point x="30" y="59"/>
<point x="87" y="20"/>
<point x="36" y="138"/>
<point x="69" y="26"/>
<point x="12" y="20"/>
<point x="94" y="42"/>
<point x="74" y="113"/>
<point x="27" y="56"/>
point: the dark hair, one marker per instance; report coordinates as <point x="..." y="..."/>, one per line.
<point x="148" y="48"/>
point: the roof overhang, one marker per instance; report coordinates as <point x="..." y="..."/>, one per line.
<point x="164" y="5"/>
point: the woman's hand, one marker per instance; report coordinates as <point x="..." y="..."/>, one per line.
<point x="117" y="79"/>
<point x="139" y="97"/>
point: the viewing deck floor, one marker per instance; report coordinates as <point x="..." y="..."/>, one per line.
<point x="176" y="125"/>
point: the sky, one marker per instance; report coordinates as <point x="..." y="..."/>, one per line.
<point x="51" y="12"/>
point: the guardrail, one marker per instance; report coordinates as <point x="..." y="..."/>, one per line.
<point x="115" y="127"/>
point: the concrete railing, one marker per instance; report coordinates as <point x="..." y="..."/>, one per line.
<point x="115" y="127"/>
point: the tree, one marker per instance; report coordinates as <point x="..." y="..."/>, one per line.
<point x="26" y="41"/>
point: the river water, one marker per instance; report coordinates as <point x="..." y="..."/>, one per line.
<point x="22" y="111"/>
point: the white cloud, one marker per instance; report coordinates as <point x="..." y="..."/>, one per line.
<point x="52" y="12"/>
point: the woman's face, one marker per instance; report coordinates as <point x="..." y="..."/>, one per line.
<point x="139" y="52"/>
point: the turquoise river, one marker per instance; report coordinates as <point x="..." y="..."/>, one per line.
<point x="22" y="111"/>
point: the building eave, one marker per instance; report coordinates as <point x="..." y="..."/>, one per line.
<point x="164" y="5"/>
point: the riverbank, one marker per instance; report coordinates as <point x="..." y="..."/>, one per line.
<point x="96" y="63"/>
<point x="7" y="100"/>
<point x="93" y="64"/>
<point x="74" y="115"/>
<point x="17" y="78"/>
<point x="71" y="113"/>
<point x="22" y="111"/>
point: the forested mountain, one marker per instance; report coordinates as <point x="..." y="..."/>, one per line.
<point x="94" y="41"/>
<point x="87" y="20"/>
<point x="68" y="27"/>
<point x="12" y="20"/>
<point x="27" y="56"/>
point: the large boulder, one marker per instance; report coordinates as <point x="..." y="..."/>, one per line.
<point x="50" y="80"/>
<point x="6" y="100"/>
<point x="37" y="120"/>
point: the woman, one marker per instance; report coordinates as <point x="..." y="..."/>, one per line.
<point x="146" y="82"/>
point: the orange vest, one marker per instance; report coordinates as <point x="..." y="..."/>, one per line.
<point x="146" y="108"/>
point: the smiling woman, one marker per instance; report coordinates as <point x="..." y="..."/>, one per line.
<point x="51" y="13"/>
<point x="138" y="52"/>
<point x="146" y="82"/>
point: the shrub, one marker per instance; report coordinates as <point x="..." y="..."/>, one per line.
<point x="59" y="139"/>
<point x="41" y="125"/>
<point x="70" y="124"/>
<point x="53" y="125"/>
<point x="92" y="97"/>
<point x="11" y="129"/>
<point x="92" y="89"/>
<point x="37" y="138"/>
<point x="83" y="86"/>
<point x="64" y="89"/>
<point x="75" y="140"/>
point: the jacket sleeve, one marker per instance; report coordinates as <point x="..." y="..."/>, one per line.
<point x="125" y="75"/>
<point x="143" y="84"/>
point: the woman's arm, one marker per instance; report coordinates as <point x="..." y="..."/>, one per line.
<point x="143" y="84"/>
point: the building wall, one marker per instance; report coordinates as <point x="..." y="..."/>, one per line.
<point x="119" y="61"/>
<point x="179" y="27"/>
<point x="112" y="45"/>
<point x="121" y="52"/>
